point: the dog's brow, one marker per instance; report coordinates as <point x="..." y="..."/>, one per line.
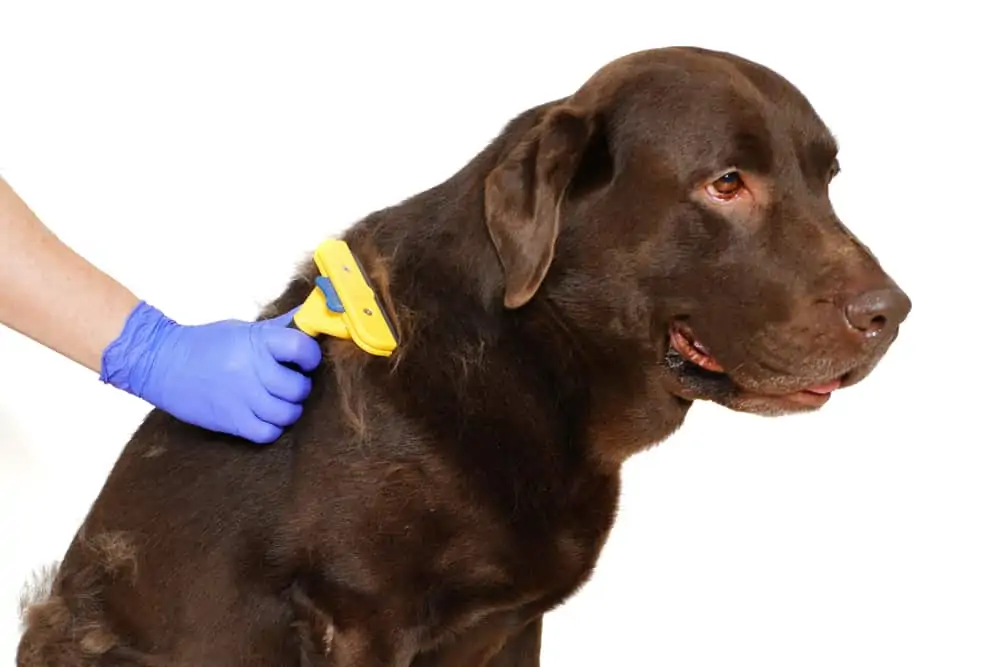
<point x="823" y="152"/>
<point x="752" y="152"/>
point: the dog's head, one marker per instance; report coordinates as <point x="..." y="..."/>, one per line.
<point x="675" y="212"/>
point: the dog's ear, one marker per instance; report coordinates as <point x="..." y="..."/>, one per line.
<point x="523" y="197"/>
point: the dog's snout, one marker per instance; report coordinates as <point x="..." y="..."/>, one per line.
<point x="877" y="310"/>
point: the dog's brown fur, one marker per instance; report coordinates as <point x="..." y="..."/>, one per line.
<point x="430" y="508"/>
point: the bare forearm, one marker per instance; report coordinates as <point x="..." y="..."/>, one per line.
<point x="51" y="294"/>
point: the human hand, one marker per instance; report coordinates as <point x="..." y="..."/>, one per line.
<point x="227" y="376"/>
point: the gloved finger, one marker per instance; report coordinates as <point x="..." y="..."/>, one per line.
<point x="293" y="346"/>
<point x="283" y="382"/>
<point x="258" y="431"/>
<point x="274" y="410"/>
<point x="282" y="320"/>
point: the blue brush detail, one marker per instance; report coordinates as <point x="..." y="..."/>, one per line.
<point x="332" y="299"/>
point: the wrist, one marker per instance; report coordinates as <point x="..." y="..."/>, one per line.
<point x="127" y="361"/>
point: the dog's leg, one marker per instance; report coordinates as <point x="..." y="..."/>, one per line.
<point x="324" y="643"/>
<point x="64" y="621"/>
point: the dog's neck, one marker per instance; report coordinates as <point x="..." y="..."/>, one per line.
<point x="448" y="308"/>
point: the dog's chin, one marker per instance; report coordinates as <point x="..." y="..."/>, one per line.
<point x="697" y="375"/>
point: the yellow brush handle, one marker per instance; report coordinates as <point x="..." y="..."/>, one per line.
<point x="314" y="319"/>
<point x="351" y="309"/>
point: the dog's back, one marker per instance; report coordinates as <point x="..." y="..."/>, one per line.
<point x="176" y="508"/>
<point x="202" y="549"/>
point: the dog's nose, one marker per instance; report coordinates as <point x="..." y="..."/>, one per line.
<point x="878" y="310"/>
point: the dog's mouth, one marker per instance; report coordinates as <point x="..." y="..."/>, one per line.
<point x="695" y="354"/>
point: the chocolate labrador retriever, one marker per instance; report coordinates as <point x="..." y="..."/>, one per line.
<point x="661" y="236"/>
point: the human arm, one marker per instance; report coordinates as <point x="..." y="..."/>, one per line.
<point x="229" y="376"/>
<point x="50" y="293"/>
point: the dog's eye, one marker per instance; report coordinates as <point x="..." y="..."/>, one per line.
<point x="727" y="186"/>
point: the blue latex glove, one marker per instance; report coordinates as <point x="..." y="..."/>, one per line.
<point x="225" y="376"/>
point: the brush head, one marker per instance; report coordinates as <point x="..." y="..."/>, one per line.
<point x="344" y="304"/>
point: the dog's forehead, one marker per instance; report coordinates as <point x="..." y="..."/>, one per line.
<point x="709" y="108"/>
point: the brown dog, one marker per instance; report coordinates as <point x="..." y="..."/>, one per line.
<point x="663" y="235"/>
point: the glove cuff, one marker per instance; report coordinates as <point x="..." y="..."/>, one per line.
<point x="127" y="360"/>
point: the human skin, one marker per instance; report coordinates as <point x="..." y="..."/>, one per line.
<point x="50" y="293"/>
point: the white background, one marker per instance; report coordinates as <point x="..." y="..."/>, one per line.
<point x="178" y="144"/>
